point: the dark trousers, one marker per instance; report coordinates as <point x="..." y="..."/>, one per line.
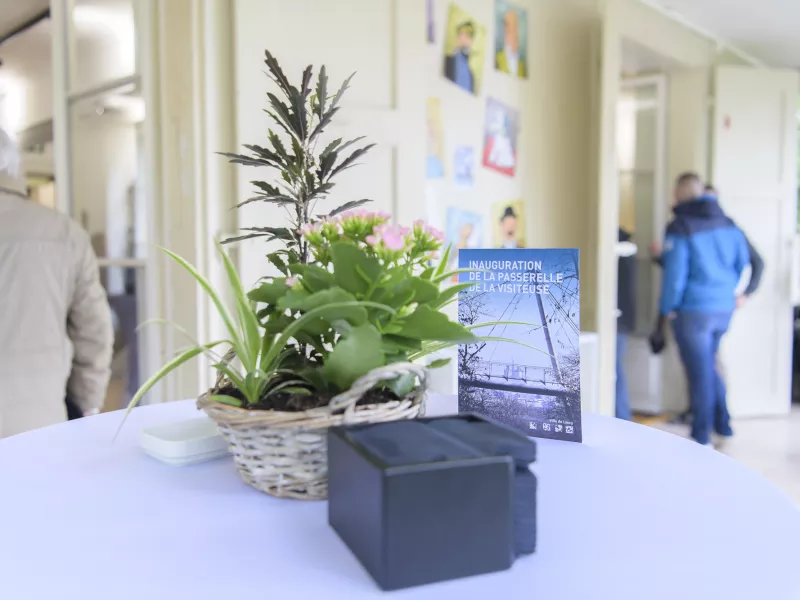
<point x="623" y="403"/>
<point x="73" y="412"/>
<point x="698" y="336"/>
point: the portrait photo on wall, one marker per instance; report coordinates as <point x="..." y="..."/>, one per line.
<point x="511" y="39"/>
<point x="463" y="229"/>
<point x="464" y="47"/>
<point x="500" y="138"/>
<point x="508" y="219"/>
<point x="435" y="160"/>
<point x="464" y="165"/>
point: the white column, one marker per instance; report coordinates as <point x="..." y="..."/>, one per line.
<point x="60" y="15"/>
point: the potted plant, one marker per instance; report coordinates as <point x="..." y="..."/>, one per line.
<point x="336" y="335"/>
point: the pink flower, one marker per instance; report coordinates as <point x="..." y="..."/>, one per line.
<point x="435" y="233"/>
<point x="392" y="236"/>
<point x="290" y="281"/>
<point x="384" y="216"/>
<point x="371" y="240"/>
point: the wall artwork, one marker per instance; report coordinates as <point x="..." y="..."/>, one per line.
<point x="435" y="161"/>
<point x="463" y="169"/>
<point x="500" y="139"/>
<point x="511" y="39"/>
<point x="431" y="24"/>
<point x="463" y="229"/>
<point x="508" y="219"/>
<point x="464" y="48"/>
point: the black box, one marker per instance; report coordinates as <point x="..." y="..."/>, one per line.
<point x="417" y="505"/>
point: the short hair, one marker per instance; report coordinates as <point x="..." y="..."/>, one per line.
<point x="10" y="161"/>
<point x="688" y="186"/>
<point x="688" y="177"/>
<point x="468" y="27"/>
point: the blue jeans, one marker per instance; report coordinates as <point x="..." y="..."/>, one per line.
<point x="698" y="336"/>
<point x="623" y="408"/>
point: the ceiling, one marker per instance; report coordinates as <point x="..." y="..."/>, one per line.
<point x="767" y="30"/>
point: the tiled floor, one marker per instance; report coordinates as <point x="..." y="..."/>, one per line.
<point x="768" y="446"/>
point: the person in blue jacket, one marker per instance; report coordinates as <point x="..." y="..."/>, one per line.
<point x="704" y="256"/>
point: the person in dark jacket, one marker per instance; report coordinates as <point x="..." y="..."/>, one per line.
<point x="756" y="262"/>
<point x="756" y="274"/>
<point x="626" y="317"/>
<point x="704" y="256"/>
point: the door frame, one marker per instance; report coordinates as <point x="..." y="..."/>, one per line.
<point x="653" y="403"/>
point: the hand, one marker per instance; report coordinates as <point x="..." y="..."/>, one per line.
<point x="741" y="301"/>
<point x="655" y="249"/>
<point x="657" y="341"/>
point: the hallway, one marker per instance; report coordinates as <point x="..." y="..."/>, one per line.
<point x="770" y="447"/>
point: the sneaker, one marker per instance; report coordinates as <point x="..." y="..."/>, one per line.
<point x="721" y="440"/>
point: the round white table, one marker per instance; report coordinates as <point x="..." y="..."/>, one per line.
<point x="632" y="513"/>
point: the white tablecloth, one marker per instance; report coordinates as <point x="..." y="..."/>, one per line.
<point x="633" y="513"/>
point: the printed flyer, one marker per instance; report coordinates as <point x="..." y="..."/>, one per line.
<point x="532" y="297"/>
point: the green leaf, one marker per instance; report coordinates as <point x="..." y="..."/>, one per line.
<point x="403" y="385"/>
<point x="322" y="90"/>
<point x="396" y="344"/>
<point x="348" y="206"/>
<point x="439" y="363"/>
<point x="278" y="262"/>
<point x="276" y="158"/>
<point x="395" y="298"/>
<point x="248" y="321"/>
<point x="284" y="115"/>
<point x="297" y="391"/>
<point x="354" y="356"/>
<point x="337" y="98"/>
<point x="225" y="399"/>
<point x="501" y="323"/>
<point x="268" y="358"/>
<point x="232" y="375"/>
<point x="270" y="292"/>
<point x="222" y="310"/>
<point x="426" y="323"/>
<point x="277" y="73"/>
<point x="291" y="299"/>
<point x="355" y="315"/>
<point x="168" y="368"/>
<point x="452" y="292"/>
<point x="348" y="260"/>
<point x="315" y="278"/>
<point x="425" y="292"/>
<point x="350" y="161"/>
<point x="428" y="349"/>
<point x="281" y="233"/>
<point x="247" y="161"/>
<point x="280" y="200"/>
<point x="445" y="259"/>
<point x="449" y="274"/>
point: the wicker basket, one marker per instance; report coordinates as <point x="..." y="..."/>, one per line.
<point x="285" y="454"/>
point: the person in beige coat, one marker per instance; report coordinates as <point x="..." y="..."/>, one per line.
<point x="56" y="336"/>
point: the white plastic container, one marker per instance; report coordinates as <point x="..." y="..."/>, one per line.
<point x="184" y="442"/>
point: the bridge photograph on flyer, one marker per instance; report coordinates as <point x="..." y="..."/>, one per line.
<point x="526" y="371"/>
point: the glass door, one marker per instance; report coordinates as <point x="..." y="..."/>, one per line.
<point x="99" y="158"/>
